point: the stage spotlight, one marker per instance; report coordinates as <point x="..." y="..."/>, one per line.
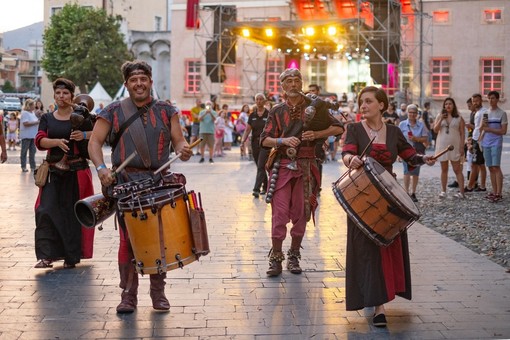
<point x="269" y="47"/>
<point x="269" y="32"/>
<point x="339" y="47"/>
<point x="332" y="30"/>
<point x="307" y="47"/>
<point x="367" y="50"/>
<point x="309" y="31"/>
<point x="246" y="32"/>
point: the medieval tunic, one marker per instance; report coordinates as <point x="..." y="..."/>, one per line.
<point x="295" y="193"/>
<point x="374" y="275"/>
<point x="58" y="234"/>
<point x="157" y="128"/>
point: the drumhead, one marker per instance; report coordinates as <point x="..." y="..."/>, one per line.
<point x="160" y="195"/>
<point x="387" y="184"/>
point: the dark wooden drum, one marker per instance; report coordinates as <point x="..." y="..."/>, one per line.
<point x="376" y="202"/>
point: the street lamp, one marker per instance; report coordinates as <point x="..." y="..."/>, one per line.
<point x="36" y="65"/>
<point x="36" y="71"/>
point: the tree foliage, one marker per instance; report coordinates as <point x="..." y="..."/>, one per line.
<point x="8" y="87"/>
<point x="85" y="45"/>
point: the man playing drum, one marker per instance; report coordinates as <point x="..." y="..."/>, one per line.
<point x="293" y="128"/>
<point x="158" y="128"/>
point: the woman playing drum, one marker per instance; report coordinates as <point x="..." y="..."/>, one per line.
<point x="374" y="275"/>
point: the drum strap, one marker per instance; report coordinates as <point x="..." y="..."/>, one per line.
<point x="398" y="212"/>
<point x="136" y="128"/>
<point x="161" y="241"/>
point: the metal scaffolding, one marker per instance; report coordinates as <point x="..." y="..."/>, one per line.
<point x="417" y="33"/>
<point x="215" y="47"/>
<point x="388" y="41"/>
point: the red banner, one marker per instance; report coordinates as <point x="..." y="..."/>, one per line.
<point x="192" y="14"/>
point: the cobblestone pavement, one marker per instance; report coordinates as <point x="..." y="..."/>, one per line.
<point x="457" y="293"/>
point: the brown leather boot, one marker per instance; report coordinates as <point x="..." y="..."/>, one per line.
<point x="129" y="284"/>
<point x="159" y="300"/>
<point x="293" y="257"/>
<point x="275" y="263"/>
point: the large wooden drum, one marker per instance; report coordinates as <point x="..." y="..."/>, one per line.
<point x="159" y="228"/>
<point x="375" y="202"/>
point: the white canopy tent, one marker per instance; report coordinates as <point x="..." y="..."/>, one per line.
<point x="99" y="94"/>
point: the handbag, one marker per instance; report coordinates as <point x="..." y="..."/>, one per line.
<point x="41" y="174"/>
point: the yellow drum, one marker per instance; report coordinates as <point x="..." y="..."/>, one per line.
<point x="159" y="228"/>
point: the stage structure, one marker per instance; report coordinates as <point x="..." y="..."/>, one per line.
<point x="215" y="44"/>
<point x="352" y="29"/>
<point x="417" y="36"/>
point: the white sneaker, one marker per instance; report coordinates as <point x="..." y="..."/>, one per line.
<point x="442" y="194"/>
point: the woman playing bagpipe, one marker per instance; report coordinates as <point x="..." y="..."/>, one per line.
<point x="64" y="134"/>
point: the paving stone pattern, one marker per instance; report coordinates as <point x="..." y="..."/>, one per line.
<point x="457" y="293"/>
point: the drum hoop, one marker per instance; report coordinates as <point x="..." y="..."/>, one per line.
<point x="388" y="194"/>
<point x="143" y="270"/>
<point x="158" y="201"/>
<point x="131" y="187"/>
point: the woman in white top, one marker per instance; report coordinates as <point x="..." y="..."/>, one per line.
<point x="449" y="127"/>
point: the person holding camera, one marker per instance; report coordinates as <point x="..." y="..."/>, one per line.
<point x="450" y="127"/>
<point x="58" y="233"/>
<point x="207" y="118"/>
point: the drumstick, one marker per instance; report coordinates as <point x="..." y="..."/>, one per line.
<point x="125" y="163"/>
<point x="449" y="148"/>
<point x="366" y="148"/>
<point x="167" y="164"/>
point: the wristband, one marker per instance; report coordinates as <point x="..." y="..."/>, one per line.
<point x="84" y="135"/>
<point x="100" y="167"/>
<point x="279" y="141"/>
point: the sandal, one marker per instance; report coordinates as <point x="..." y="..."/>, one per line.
<point x="44" y="264"/>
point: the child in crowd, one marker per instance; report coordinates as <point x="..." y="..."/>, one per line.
<point x="12" y="131"/>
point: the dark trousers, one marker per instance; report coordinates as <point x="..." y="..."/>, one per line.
<point x="260" y="157"/>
